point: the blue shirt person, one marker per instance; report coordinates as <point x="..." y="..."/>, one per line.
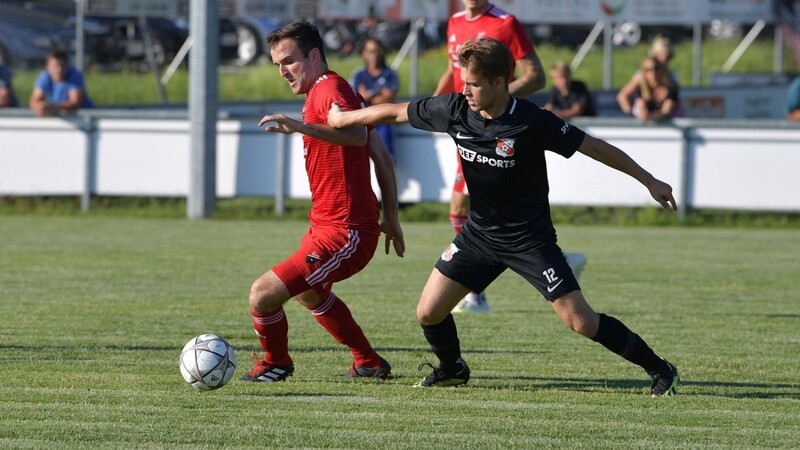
<point x="377" y="83"/>
<point x="59" y="87"/>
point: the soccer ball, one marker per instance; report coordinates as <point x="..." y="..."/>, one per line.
<point x="207" y="362"/>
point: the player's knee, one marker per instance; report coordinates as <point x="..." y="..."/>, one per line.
<point x="259" y="297"/>
<point x="426" y="316"/>
<point x="583" y="325"/>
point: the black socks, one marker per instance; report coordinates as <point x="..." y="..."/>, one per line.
<point x="615" y="336"/>
<point x="443" y="338"/>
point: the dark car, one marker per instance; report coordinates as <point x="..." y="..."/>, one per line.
<point x="28" y="35"/>
<point x="121" y="39"/>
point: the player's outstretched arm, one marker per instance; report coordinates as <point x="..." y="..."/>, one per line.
<point x="355" y="136"/>
<point x="613" y="157"/>
<point x="390" y="113"/>
<point x="387" y="181"/>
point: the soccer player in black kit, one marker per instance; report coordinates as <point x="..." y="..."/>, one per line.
<point x="501" y="141"/>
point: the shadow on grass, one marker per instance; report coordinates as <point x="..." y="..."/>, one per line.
<point x="726" y="389"/>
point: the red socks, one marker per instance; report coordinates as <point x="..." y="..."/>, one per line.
<point x="457" y="222"/>
<point x="273" y="330"/>
<point x="336" y="318"/>
<point x="273" y="334"/>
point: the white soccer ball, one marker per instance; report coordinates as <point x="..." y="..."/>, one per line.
<point x="207" y="362"/>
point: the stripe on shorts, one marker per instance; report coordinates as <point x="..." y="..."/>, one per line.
<point x="335" y="262"/>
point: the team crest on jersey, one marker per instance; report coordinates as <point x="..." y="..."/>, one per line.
<point x="505" y="147"/>
<point x="313" y="258"/>
<point x="448" y="253"/>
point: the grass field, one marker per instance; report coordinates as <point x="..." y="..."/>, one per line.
<point x="94" y="312"/>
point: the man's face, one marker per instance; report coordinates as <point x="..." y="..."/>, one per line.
<point x="560" y="80"/>
<point x="57" y="69"/>
<point x="475" y="5"/>
<point x="298" y="70"/>
<point x="481" y="93"/>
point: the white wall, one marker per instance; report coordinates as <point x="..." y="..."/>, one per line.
<point x="753" y="167"/>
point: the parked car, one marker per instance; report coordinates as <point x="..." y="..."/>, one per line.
<point x="251" y="33"/>
<point x="27" y="35"/>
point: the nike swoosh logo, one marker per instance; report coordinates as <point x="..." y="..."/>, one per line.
<point x="461" y="136"/>
<point x="553" y="288"/>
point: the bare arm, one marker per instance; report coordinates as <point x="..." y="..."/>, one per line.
<point x="576" y="109"/>
<point x="532" y="78"/>
<point x="625" y="93"/>
<point x="387" y="181"/>
<point x="390" y="113"/>
<point x="445" y="85"/>
<point x="5" y="96"/>
<point x="385" y="95"/>
<point x="615" y="158"/>
<point x="38" y="102"/>
<point x="355" y="136"/>
<point x="794" y="115"/>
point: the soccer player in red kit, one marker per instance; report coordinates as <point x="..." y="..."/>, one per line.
<point x="482" y="19"/>
<point x="344" y="216"/>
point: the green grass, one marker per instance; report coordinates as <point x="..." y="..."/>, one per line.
<point x="94" y="312"/>
<point x="262" y="82"/>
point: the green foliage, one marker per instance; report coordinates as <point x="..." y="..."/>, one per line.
<point x="95" y="310"/>
<point x="262" y="82"/>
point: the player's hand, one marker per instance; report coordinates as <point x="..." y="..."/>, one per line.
<point x="335" y="116"/>
<point x="283" y="124"/>
<point x="394" y="234"/>
<point x="662" y="193"/>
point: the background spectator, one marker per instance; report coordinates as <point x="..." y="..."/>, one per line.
<point x="660" y="49"/>
<point x="7" y="97"/>
<point x="657" y="93"/>
<point x="377" y="83"/>
<point x="793" y="101"/>
<point x="568" y="98"/>
<point x="59" y="87"/>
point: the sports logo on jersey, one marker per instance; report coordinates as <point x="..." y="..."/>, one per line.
<point x="313" y="258"/>
<point x="467" y="155"/>
<point x="505" y="147"/>
<point x="448" y="253"/>
<point x="565" y="128"/>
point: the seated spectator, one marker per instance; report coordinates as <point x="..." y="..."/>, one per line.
<point x="657" y="93"/>
<point x="661" y="49"/>
<point x="58" y="88"/>
<point x="793" y="101"/>
<point x="7" y="97"/>
<point x="568" y="98"/>
<point x="377" y="83"/>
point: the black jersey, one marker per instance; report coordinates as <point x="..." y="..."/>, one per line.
<point x="503" y="162"/>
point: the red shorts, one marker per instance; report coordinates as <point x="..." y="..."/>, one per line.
<point x="460" y="185"/>
<point x="326" y="255"/>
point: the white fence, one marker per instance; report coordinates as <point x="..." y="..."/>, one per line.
<point x="741" y="165"/>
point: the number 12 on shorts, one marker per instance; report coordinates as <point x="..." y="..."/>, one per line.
<point x="550" y="275"/>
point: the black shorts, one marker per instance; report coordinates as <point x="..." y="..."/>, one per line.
<point x="475" y="263"/>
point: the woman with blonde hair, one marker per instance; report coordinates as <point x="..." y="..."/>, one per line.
<point x="661" y="49"/>
<point x="657" y="92"/>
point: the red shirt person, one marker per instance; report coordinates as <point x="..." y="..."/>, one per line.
<point x="344" y="228"/>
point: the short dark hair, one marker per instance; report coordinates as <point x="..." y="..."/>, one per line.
<point x="304" y="34"/>
<point x="59" y="55"/>
<point x="487" y="57"/>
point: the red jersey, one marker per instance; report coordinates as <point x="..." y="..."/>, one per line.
<point x="494" y="23"/>
<point x="339" y="176"/>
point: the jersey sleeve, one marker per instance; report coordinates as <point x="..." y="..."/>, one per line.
<point x="432" y="113"/>
<point x="335" y="92"/>
<point x="558" y="135"/>
<point x="517" y="42"/>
